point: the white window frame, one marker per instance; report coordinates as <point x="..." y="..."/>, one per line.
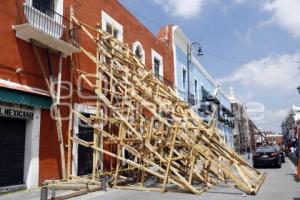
<point x="107" y="19"/>
<point x="31" y="154"/>
<point x="138" y="44"/>
<point x="58" y="6"/>
<point x="155" y="55"/>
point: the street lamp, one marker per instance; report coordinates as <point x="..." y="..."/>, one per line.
<point x="298" y="171"/>
<point x="189" y="61"/>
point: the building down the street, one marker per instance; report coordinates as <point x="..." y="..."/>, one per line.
<point x="246" y="133"/>
<point x="290" y="126"/>
<point x="242" y="132"/>
<point x="273" y="138"/>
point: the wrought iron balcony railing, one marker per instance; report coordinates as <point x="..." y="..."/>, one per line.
<point x="191" y="99"/>
<point x="42" y="16"/>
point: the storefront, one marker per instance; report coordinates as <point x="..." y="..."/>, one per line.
<point x="20" y="119"/>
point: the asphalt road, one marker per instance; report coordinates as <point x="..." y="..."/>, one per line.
<point x="280" y="184"/>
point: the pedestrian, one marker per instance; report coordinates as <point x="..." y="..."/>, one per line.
<point x="292" y="153"/>
<point x="248" y="151"/>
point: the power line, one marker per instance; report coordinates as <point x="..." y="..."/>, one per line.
<point x="244" y="61"/>
<point x="145" y="17"/>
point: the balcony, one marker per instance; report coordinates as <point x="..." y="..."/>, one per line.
<point x="206" y="108"/>
<point x="38" y="22"/>
<point x="213" y="99"/>
<point x="191" y="99"/>
<point x="221" y="118"/>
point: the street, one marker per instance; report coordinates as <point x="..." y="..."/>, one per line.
<point x="280" y="184"/>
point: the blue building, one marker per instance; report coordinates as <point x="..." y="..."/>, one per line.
<point x="205" y="95"/>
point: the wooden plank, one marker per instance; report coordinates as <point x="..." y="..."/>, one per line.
<point x="49" y="83"/>
<point x="174" y="135"/>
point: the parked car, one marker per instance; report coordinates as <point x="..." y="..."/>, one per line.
<point x="267" y="156"/>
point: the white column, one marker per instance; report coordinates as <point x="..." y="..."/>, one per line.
<point x="32" y="149"/>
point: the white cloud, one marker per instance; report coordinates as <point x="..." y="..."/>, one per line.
<point x="285" y="13"/>
<point x="272" y="119"/>
<point x="273" y="72"/>
<point x="239" y="1"/>
<point x="181" y="8"/>
<point x="244" y="37"/>
<point x="265" y="23"/>
<point x="272" y="82"/>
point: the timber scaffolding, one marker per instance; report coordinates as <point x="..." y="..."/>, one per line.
<point x="155" y="138"/>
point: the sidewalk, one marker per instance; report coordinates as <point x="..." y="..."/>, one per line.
<point x="280" y="184"/>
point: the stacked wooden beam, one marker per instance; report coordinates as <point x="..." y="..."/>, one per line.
<point x="159" y="142"/>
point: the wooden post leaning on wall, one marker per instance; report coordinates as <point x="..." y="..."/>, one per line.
<point x="70" y="125"/>
<point x="55" y="105"/>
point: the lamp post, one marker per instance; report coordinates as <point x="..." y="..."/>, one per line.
<point x="189" y="61"/>
<point x="298" y="171"/>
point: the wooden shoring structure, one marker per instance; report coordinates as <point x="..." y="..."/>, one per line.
<point x="155" y="138"/>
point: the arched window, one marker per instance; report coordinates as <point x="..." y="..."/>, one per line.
<point x="139" y="51"/>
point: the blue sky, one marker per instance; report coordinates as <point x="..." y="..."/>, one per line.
<point x="251" y="45"/>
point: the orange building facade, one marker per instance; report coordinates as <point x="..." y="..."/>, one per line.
<point x="29" y="148"/>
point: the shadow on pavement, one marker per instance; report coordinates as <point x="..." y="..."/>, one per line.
<point x="231" y="193"/>
<point x="295" y="178"/>
<point x="267" y="167"/>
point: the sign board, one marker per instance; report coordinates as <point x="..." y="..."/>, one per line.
<point x="14" y="110"/>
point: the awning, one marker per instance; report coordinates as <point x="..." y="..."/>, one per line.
<point x="20" y="97"/>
